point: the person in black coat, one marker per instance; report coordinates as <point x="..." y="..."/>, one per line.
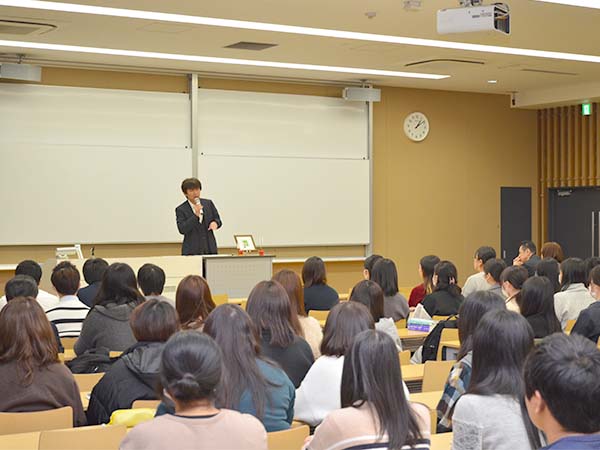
<point x="446" y="298"/>
<point x="537" y="306"/>
<point x="197" y="219"/>
<point x="93" y="270"/>
<point x="317" y="294"/>
<point x="134" y="376"/>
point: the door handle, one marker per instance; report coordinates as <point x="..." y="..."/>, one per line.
<point x="593" y="233"/>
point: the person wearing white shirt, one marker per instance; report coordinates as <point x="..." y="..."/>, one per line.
<point x="477" y="281"/>
<point x="573" y="297"/>
<point x="34" y="270"/>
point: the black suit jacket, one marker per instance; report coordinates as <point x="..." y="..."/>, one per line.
<point x="197" y="238"/>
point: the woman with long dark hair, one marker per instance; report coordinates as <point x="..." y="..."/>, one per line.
<point x="418" y="293"/>
<point x="386" y="276"/>
<point x="318" y="294"/>
<point x="269" y="308"/>
<point x="492" y="413"/>
<point x="446" y="297"/>
<point x="107" y="324"/>
<point x="191" y="370"/>
<point x="549" y="268"/>
<point x="471" y="311"/>
<point x="574" y="296"/>
<point x="537" y="306"/>
<point x="375" y="412"/>
<point x="512" y="279"/>
<point x="193" y="301"/>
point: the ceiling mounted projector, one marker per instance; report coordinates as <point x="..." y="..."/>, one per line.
<point x="361" y="94"/>
<point x="470" y="18"/>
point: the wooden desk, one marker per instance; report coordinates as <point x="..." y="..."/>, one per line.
<point x="20" y="441"/>
<point x="429" y="399"/>
<point x="412" y="375"/>
<point x="411" y="340"/>
<point x="85" y="399"/>
<point x="442" y="441"/>
<point x="69" y="354"/>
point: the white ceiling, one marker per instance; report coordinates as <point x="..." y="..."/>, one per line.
<point x="535" y="25"/>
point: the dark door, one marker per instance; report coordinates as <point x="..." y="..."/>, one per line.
<point x="515" y="220"/>
<point x="573" y="220"/>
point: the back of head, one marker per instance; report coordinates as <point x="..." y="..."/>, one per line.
<point x="20" y="286"/>
<point x="119" y="286"/>
<point x="552" y="250"/>
<point x="595" y="275"/>
<point x="572" y="271"/>
<point x="190" y="367"/>
<point x="293" y="287"/>
<point x="344" y="322"/>
<point x="193" y="301"/>
<point x="154" y="321"/>
<point x="370" y="263"/>
<point x="31" y="268"/>
<point x="475" y="306"/>
<point x="386" y="276"/>
<point x="269" y="308"/>
<point x="515" y="275"/>
<point x="369" y="294"/>
<point x="151" y="279"/>
<point x="65" y="278"/>
<point x="537" y="297"/>
<point x="26" y="336"/>
<point x="494" y="268"/>
<point x="93" y="270"/>
<point x="565" y="370"/>
<point x="313" y="272"/>
<point x="372" y="374"/>
<point x="428" y="264"/>
<point x="528" y="245"/>
<point x="447" y="277"/>
<point x="549" y="268"/>
<point x="485" y="253"/>
<point x="590" y="263"/>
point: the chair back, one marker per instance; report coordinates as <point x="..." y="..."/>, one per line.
<point x="435" y="375"/>
<point x="87" y="381"/>
<point x="570" y="325"/>
<point x="292" y="439"/>
<point x="105" y="437"/>
<point x="68" y="343"/>
<point x="220" y="299"/>
<point x="319" y="315"/>
<point x="404" y="356"/>
<point x="401" y="324"/>
<point x="440" y="318"/>
<point x="145" y="404"/>
<point x="25" y="422"/>
<point x="20" y="441"/>
<point x="448" y="334"/>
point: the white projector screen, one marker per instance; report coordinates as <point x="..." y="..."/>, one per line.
<point x="291" y="170"/>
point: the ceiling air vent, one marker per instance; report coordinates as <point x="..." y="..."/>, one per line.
<point x="550" y="72"/>
<point x="444" y="61"/>
<point x="17" y="28"/>
<point x="255" y="46"/>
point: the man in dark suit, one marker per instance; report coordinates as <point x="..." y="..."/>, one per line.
<point x="527" y="257"/>
<point x="197" y="219"/>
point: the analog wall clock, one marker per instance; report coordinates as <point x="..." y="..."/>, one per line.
<point x="416" y="126"/>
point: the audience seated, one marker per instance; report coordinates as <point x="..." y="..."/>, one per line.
<point x="386" y="276"/>
<point x="527" y="257"/>
<point x="370" y="294"/>
<point x="25" y="286"/>
<point x="368" y="265"/>
<point x="319" y="393"/>
<point x="93" y="271"/>
<point x="477" y="282"/>
<point x="269" y="308"/>
<point x="191" y="371"/>
<point x="134" y="375"/>
<point x="375" y="412"/>
<point x="418" y="293"/>
<point x="194" y="302"/>
<point x="492" y="415"/>
<point x="34" y="270"/>
<point x="588" y="323"/>
<point x="562" y="387"/>
<point x="590" y="263"/>
<point x="69" y="314"/>
<point x="549" y="268"/>
<point x="307" y="327"/>
<point x="33" y="379"/>
<point x="317" y="294"/>
<point x="107" y="324"/>
<point x="537" y="306"/>
<point x="446" y="297"/>
<point x="493" y="270"/>
<point x="151" y="279"/>
<point x="552" y="250"/>
<point x="512" y="279"/>
<point x="573" y="296"/>
<point x="471" y="311"/>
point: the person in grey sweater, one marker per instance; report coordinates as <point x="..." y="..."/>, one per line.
<point x="107" y="324"/>
<point x="385" y="275"/>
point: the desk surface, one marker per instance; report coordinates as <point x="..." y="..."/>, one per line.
<point x="405" y="333"/>
<point x="429" y="399"/>
<point x="442" y="441"/>
<point x="22" y="441"/>
<point x="69" y="354"/>
<point x="412" y="372"/>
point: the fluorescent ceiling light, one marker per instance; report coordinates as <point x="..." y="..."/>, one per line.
<point x="211" y="59"/>
<point x="583" y="3"/>
<point x="241" y="24"/>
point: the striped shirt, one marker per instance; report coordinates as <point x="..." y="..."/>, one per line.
<point x="68" y="316"/>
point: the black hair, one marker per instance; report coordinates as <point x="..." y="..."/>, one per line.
<point x="151" y="279"/>
<point x="370" y="262"/>
<point x="93" y="270"/>
<point x="537" y="297"/>
<point x="475" y="306"/>
<point x="369" y="294"/>
<point x="494" y="267"/>
<point x="372" y="374"/>
<point x="447" y="278"/>
<point x="190" y="367"/>
<point x="590" y="263"/>
<point x="501" y="342"/>
<point x="65" y="278"/>
<point x="565" y="370"/>
<point x="313" y="272"/>
<point x="31" y="268"/>
<point x="427" y="264"/>
<point x="344" y="322"/>
<point x="485" y="253"/>
<point x="515" y="275"/>
<point x="528" y="245"/>
<point x="595" y="275"/>
<point x="118" y="286"/>
<point x="386" y="276"/>
<point x="549" y="268"/>
<point x="573" y="271"/>
<point x="20" y="286"/>
<point x="190" y="184"/>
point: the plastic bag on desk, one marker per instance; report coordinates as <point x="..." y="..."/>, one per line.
<point x="420" y="320"/>
<point x="420" y="313"/>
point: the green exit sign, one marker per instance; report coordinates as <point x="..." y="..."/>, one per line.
<point x="586" y="109"/>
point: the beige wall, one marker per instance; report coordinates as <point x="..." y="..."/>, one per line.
<point x="440" y="196"/>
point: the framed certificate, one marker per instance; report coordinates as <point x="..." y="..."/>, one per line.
<point x="245" y="242"/>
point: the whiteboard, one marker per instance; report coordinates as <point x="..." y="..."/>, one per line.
<point x="82" y="165"/>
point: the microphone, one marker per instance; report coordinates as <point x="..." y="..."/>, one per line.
<point x="197" y="201"/>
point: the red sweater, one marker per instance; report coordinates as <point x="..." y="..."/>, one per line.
<point x="416" y="295"/>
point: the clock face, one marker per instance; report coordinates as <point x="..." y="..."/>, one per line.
<point x="416" y="126"/>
